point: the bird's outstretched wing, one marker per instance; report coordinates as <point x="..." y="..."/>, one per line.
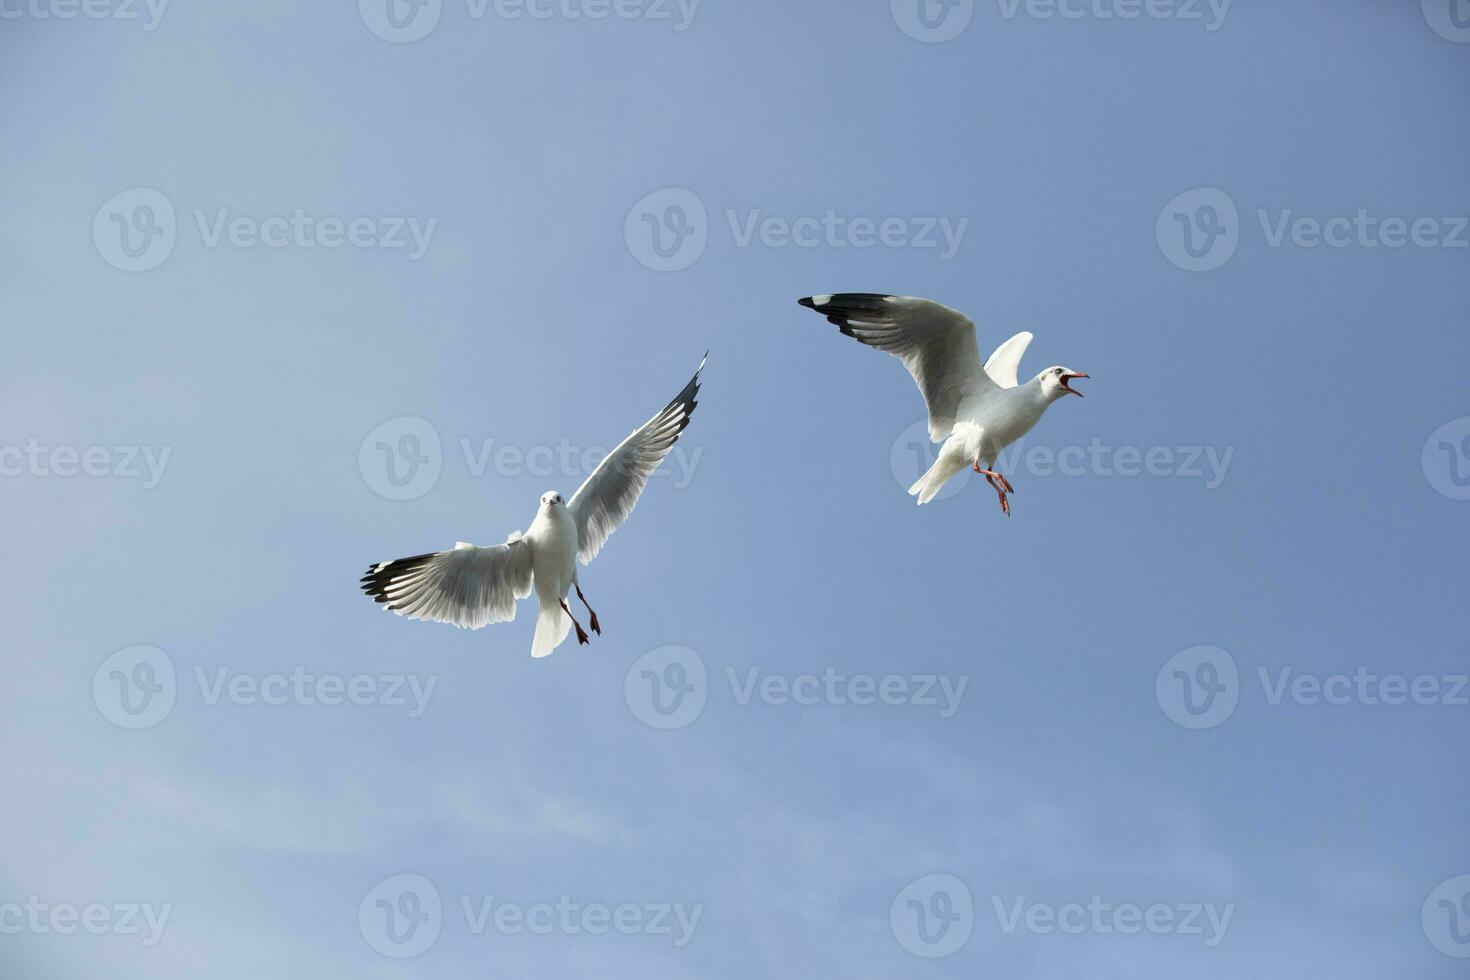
<point x="936" y="344"/>
<point x="606" y="499"/>
<point x="1004" y="363"/>
<point x="467" y="586"/>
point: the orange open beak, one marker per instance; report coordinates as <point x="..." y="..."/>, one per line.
<point x="1068" y="377"/>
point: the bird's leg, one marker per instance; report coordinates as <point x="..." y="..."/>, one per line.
<point x="581" y="633"/>
<point x="992" y="476"/>
<point x="1001" y="487"/>
<point x="595" y="628"/>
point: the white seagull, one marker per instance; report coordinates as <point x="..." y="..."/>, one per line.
<point x="975" y="411"/>
<point x="470" y="586"/>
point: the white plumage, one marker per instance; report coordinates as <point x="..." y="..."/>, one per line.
<point x="471" y="587"/>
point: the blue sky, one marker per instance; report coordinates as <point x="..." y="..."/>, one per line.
<point x="189" y="429"/>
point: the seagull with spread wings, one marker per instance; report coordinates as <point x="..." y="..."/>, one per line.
<point x="470" y="586"/>
<point x="974" y="411"/>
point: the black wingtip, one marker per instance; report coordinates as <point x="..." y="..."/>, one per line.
<point x="375" y="582"/>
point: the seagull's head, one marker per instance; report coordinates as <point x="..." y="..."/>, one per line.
<point x="550" y="500"/>
<point x="1055" y="382"/>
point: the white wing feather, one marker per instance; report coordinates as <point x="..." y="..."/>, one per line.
<point x="608" y="496"/>
<point x="466" y="586"/>
<point x="936" y="344"/>
<point x="1006" y="360"/>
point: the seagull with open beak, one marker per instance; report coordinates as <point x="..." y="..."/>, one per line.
<point x="975" y="411"/>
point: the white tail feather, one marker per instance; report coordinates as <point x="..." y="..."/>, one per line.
<point x="958" y="451"/>
<point x="934" y="479"/>
<point x="552" y="626"/>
